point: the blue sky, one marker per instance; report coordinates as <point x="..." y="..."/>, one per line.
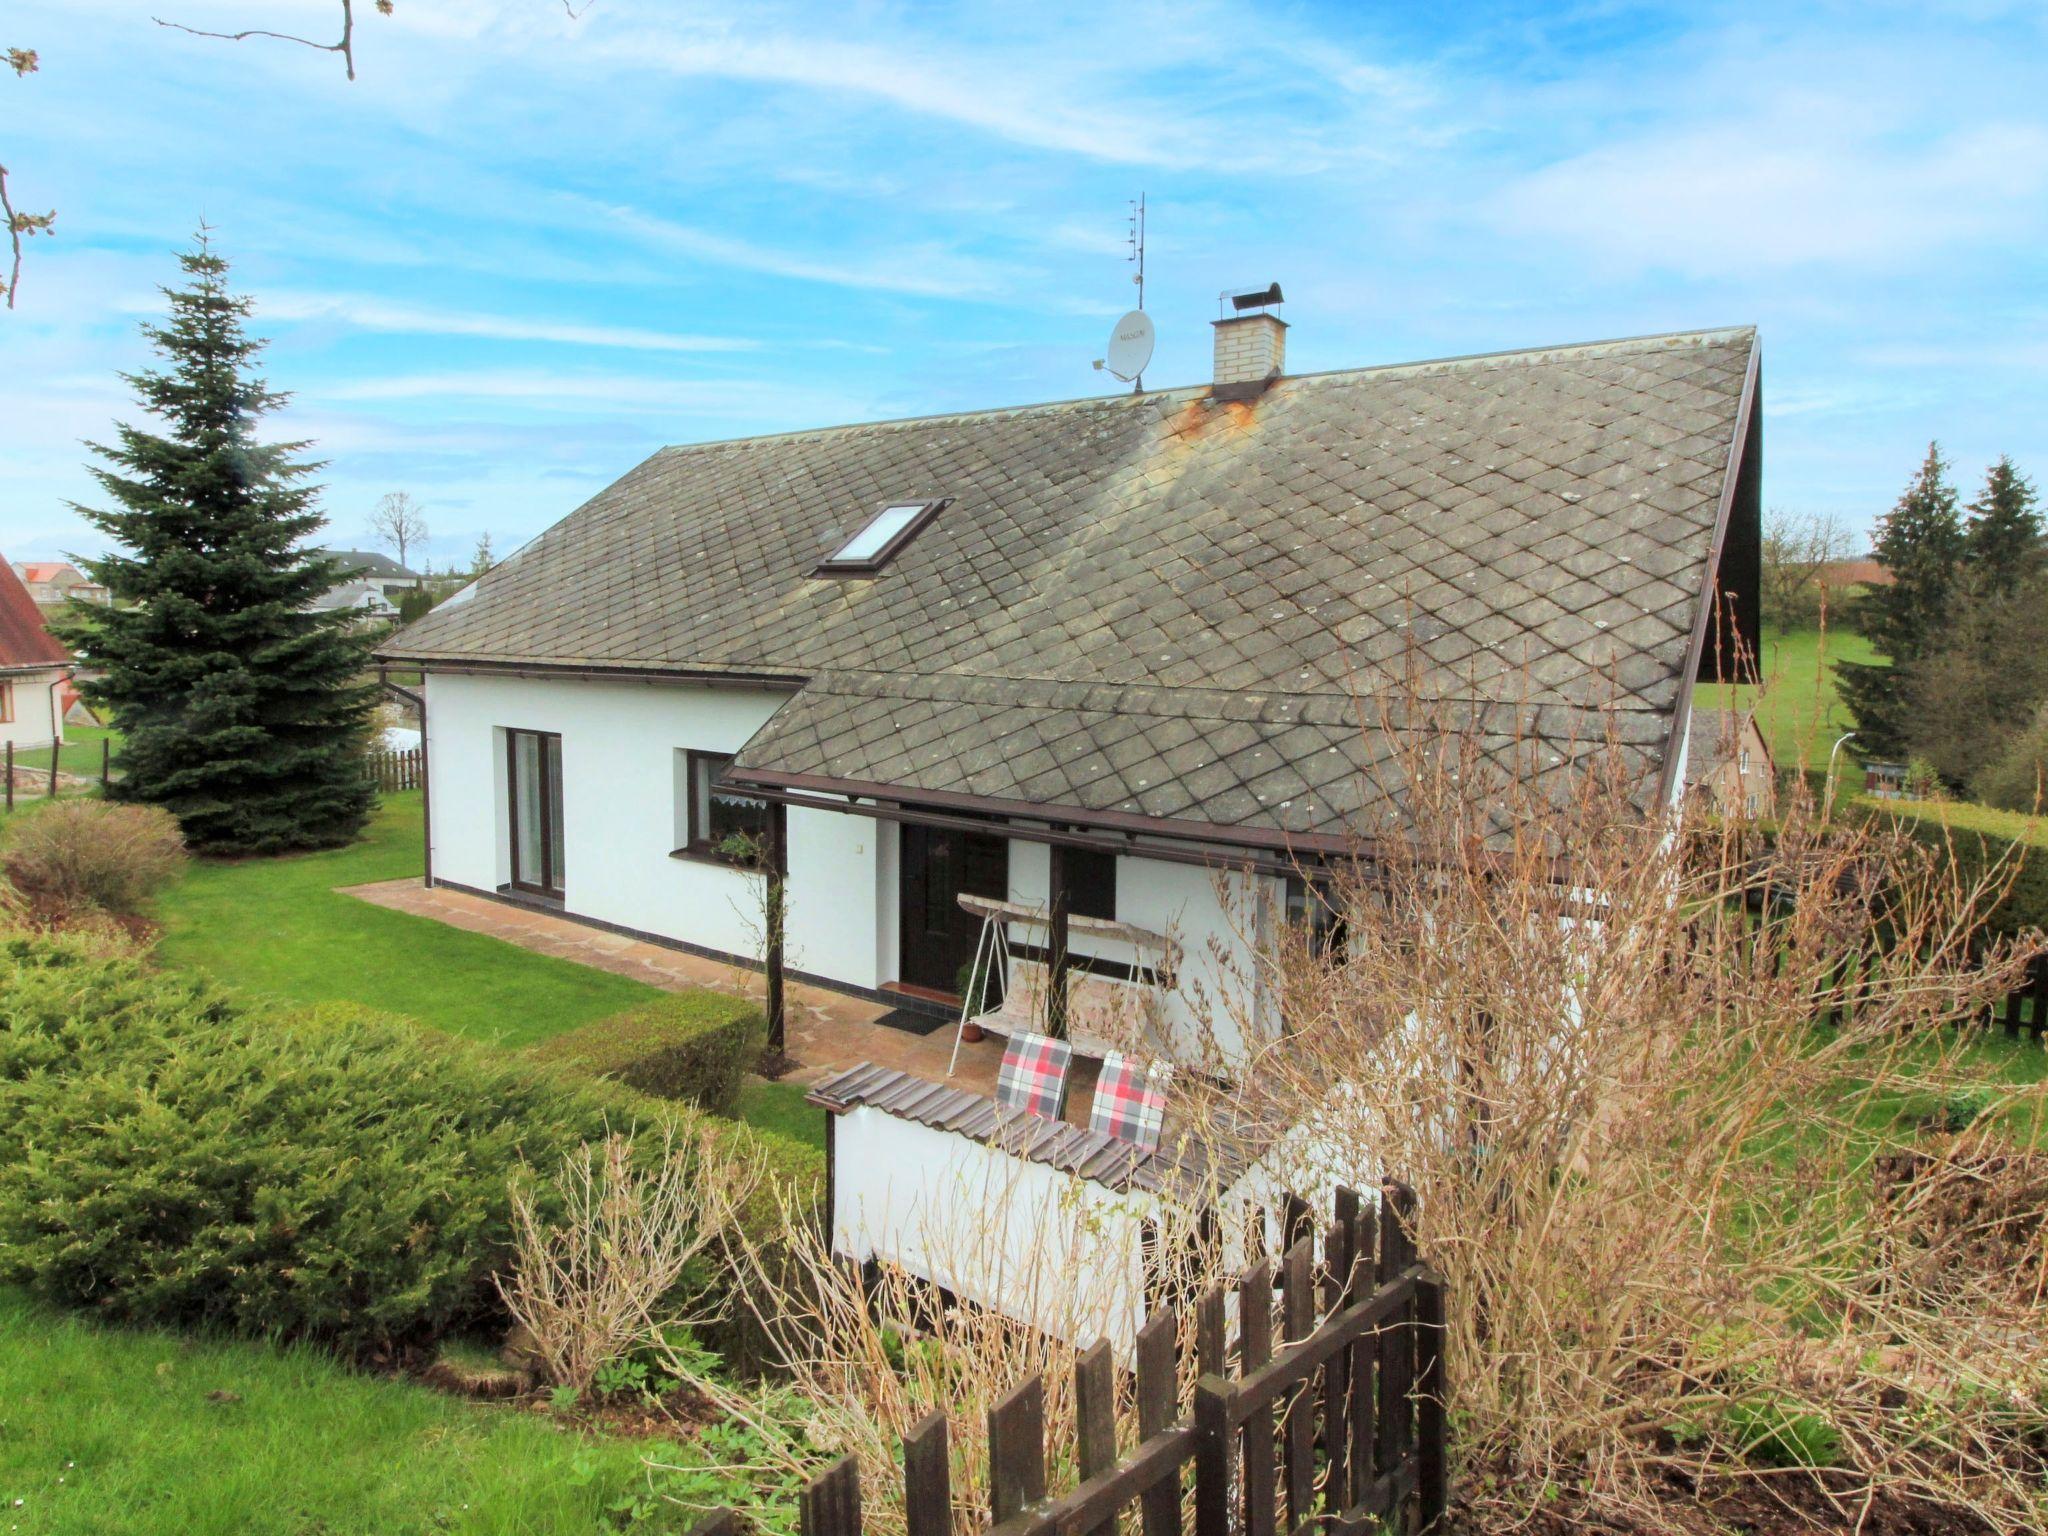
<point x="523" y="249"/>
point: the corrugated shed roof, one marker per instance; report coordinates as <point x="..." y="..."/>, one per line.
<point x="24" y="640"/>
<point x="1165" y="605"/>
<point x="1180" y="1165"/>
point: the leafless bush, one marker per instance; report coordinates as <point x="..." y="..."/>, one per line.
<point x="870" y="1357"/>
<point x="1643" y="1153"/>
<point x="76" y="857"/>
<point x="595" y="1281"/>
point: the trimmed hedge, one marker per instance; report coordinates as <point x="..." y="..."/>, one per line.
<point x="1976" y="850"/>
<point x="692" y="1046"/>
<point x="169" y="1156"/>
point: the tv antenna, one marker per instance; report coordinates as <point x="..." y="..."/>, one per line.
<point x="1131" y="338"/>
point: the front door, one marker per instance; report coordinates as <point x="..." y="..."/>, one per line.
<point x="938" y="937"/>
<point x="534" y="776"/>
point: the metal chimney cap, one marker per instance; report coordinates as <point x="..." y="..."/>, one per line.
<point x="1239" y="300"/>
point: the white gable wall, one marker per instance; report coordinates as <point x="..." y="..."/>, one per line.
<point x="619" y="742"/>
<point x="619" y="786"/>
<point x="35" y="718"/>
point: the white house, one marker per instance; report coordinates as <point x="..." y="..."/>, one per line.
<point x="1101" y="657"/>
<point x="35" y="670"/>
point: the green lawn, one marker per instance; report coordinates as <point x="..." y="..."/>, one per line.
<point x="1800" y="712"/>
<point x="781" y="1107"/>
<point x="278" y="928"/>
<point x="80" y="753"/>
<point x="135" y="1431"/>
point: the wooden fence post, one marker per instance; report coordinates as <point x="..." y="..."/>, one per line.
<point x="10" y="775"/>
<point x="1095" y="1419"/>
<point x="1297" y="1321"/>
<point x="56" y="751"/>
<point x="1212" y="1457"/>
<point x="1432" y="1454"/>
<point x="831" y="1504"/>
<point x="1016" y="1450"/>
<point x="1255" y="1348"/>
<point x="1158" y="1403"/>
<point x="927" y="1478"/>
<point x="106" y="763"/>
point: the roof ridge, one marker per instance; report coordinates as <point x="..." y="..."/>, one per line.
<point x="1555" y="352"/>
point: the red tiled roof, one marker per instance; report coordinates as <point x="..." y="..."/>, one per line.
<point x="24" y="642"/>
<point x="42" y="570"/>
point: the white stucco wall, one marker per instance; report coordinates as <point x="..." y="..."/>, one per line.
<point x="1208" y="912"/>
<point x="1058" y="1252"/>
<point x="619" y="742"/>
<point x="619" y="789"/>
<point x="37" y="719"/>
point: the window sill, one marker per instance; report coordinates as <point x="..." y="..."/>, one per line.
<point x="532" y="899"/>
<point x="695" y="854"/>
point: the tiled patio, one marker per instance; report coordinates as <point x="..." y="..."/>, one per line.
<point x="828" y="1031"/>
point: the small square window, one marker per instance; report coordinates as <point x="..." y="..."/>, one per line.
<point x="716" y="822"/>
<point x="878" y="540"/>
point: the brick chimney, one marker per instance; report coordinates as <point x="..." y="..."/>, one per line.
<point x="1251" y="351"/>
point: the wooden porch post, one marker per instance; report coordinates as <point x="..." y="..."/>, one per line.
<point x="777" y="904"/>
<point x="1056" y="942"/>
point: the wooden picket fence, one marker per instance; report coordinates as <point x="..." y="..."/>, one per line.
<point x="1328" y="1417"/>
<point x="2024" y="1011"/>
<point x="399" y="770"/>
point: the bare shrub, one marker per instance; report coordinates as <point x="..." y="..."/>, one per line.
<point x="596" y="1276"/>
<point x="870" y="1355"/>
<point x="81" y="856"/>
<point x="1643" y="1124"/>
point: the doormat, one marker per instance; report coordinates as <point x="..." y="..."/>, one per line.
<point x="912" y="1022"/>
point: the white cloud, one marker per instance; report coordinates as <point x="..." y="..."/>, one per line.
<point x="926" y="270"/>
<point x="1804" y="187"/>
<point x="371" y="314"/>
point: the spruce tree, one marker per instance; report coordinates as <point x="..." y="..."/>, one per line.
<point x="242" y="711"/>
<point x="1920" y="542"/>
<point x="2003" y="542"/>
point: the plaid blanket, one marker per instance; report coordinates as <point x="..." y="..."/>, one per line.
<point x="1033" y="1075"/>
<point x="1130" y="1100"/>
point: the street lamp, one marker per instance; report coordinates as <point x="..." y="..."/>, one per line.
<point x="1827" y="799"/>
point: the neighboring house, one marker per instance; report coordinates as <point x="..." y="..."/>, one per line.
<point x="53" y="583"/>
<point x="373" y="568"/>
<point x="35" y="670"/>
<point x="365" y="596"/>
<point x="1728" y="764"/>
<point x="1111" y="647"/>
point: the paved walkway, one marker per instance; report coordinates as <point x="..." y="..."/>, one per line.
<point x="828" y="1031"/>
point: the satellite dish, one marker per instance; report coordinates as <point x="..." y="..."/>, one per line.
<point x="1130" y="346"/>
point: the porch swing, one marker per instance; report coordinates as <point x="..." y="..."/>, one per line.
<point x="1023" y="1006"/>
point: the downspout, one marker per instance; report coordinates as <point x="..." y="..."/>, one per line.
<point x="57" y="719"/>
<point x="419" y="702"/>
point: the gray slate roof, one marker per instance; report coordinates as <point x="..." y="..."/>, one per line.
<point x="372" y="563"/>
<point x="1166" y="606"/>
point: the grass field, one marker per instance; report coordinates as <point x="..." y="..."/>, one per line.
<point x="136" y="1431"/>
<point x="278" y="928"/>
<point x="1799" y="709"/>
<point x="80" y="753"/>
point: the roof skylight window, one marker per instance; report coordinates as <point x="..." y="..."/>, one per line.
<point x="880" y="538"/>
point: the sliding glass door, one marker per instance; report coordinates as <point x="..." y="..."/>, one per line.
<point x="535" y="779"/>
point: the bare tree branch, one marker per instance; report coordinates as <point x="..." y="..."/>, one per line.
<point x="345" y="47"/>
<point x="19" y="224"/>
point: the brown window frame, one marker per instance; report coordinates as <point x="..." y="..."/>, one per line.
<point x="926" y="511"/>
<point x="6" y="702"/>
<point x="539" y="890"/>
<point x="698" y="844"/>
